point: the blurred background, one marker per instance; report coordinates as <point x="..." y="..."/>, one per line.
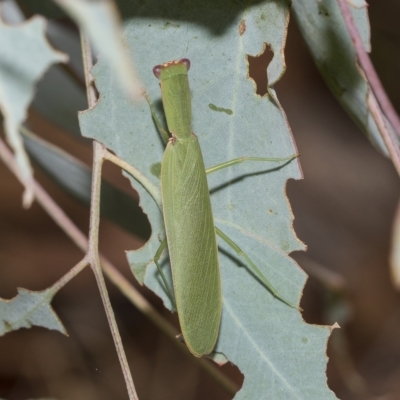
<point x="344" y="210"/>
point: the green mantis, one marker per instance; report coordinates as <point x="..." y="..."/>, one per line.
<point x="188" y="218"/>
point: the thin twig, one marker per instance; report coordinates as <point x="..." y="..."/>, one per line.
<point x="87" y="67"/>
<point x="332" y="280"/>
<point x="69" y="275"/>
<point x="77" y="236"/>
<point x="369" y="70"/>
<point x="93" y="256"/>
<point x="46" y="201"/>
<point x="93" y="247"/>
<point x="378" y="102"/>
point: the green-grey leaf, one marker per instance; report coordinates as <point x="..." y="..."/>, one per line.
<point x="64" y="110"/>
<point x="25" y="55"/>
<point x="326" y="35"/>
<point x="280" y="355"/>
<point x="29" y="309"/>
<point x="60" y="110"/>
<point x="75" y="177"/>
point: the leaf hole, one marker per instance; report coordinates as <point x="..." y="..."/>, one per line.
<point x="233" y="373"/>
<point x="258" y="69"/>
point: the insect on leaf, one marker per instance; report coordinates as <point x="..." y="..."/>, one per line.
<point x="279" y="354"/>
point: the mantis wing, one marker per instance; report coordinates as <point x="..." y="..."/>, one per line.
<point x="192" y="244"/>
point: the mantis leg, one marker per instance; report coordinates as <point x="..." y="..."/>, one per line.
<point x="156" y="259"/>
<point x="242" y="159"/>
<point x="162" y="130"/>
<point x="260" y="275"/>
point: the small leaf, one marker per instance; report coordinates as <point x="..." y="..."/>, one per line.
<point x="29" y="309"/>
<point x="25" y="55"/>
<point x="64" y="111"/>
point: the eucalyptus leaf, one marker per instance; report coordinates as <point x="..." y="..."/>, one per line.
<point x="25" y="55"/>
<point x="63" y="109"/>
<point x="59" y="97"/>
<point x="280" y="355"/>
<point x="60" y="110"/>
<point x="75" y="178"/>
<point x="323" y="28"/>
<point x="29" y="309"/>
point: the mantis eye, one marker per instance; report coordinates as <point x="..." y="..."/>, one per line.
<point x="186" y="61"/>
<point x="157" y="69"/>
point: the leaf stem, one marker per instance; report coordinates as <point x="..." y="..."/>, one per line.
<point x="368" y="68"/>
<point x="69" y="275"/>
